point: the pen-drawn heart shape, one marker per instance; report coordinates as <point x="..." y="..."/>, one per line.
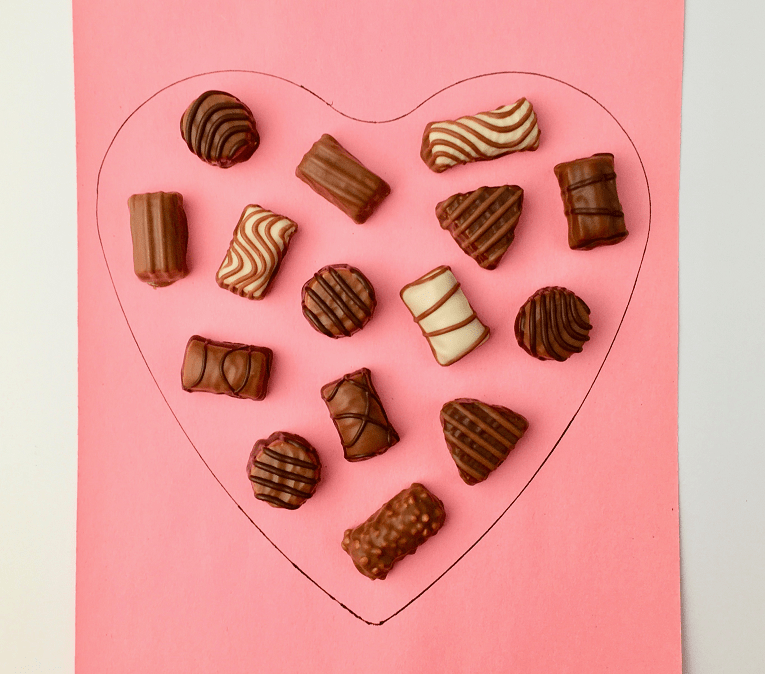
<point x="399" y="243"/>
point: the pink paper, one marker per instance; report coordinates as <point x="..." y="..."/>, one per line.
<point x="566" y="558"/>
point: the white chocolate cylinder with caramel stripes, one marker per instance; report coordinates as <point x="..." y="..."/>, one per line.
<point x="487" y="135"/>
<point x="255" y="253"/>
<point x="444" y="315"/>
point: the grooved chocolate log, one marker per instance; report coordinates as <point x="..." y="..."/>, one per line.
<point x="160" y="236"/>
<point x="339" y="177"/>
<point x="553" y="324"/>
<point x="284" y="470"/>
<point x="338" y="301"/>
<point x="259" y="245"/>
<point x="480" y="436"/>
<point x="487" y="135"/>
<point x="396" y="530"/>
<point x="483" y="221"/>
<point x="220" y="129"/>
<point x="236" y="370"/>
<point x="444" y="315"/>
<point x="590" y="202"/>
<point x="358" y="415"/>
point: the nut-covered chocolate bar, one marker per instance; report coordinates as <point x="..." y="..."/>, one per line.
<point x="480" y="436"/>
<point x="160" y="237"/>
<point x="220" y="129"/>
<point x="487" y="135"/>
<point x="259" y="245"/>
<point x="396" y="530"/>
<point x="358" y="415"/>
<point x="338" y="301"/>
<point x="236" y="370"/>
<point x="590" y="202"/>
<point x="483" y="221"/>
<point x="284" y="470"/>
<point x="339" y="177"/>
<point x="553" y="324"/>
<point x="444" y="315"/>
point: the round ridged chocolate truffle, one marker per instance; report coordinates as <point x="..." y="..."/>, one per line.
<point x="338" y="301"/>
<point x="553" y="324"/>
<point x="220" y="129"/>
<point x="284" y="470"/>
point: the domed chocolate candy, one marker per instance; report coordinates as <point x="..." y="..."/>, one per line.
<point x="553" y="324"/>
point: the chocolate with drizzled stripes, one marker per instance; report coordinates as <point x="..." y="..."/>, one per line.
<point x="236" y="370"/>
<point x="444" y="315"/>
<point x="338" y="301"/>
<point x="358" y="415"/>
<point x="284" y="470"/>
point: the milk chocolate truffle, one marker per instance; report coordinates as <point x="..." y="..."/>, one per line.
<point x="483" y="221"/>
<point x="220" y="129"/>
<point x="553" y="324"/>
<point x="334" y="173"/>
<point x="284" y="470"/>
<point x="396" y="530"/>
<point x="236" y="370"/>
<point x="590" y="202"/>
<point x="338" y="301"/>
<point x="160" y="237"/>
<point x="487" y="135"/>
<point x="358" y="415"/>
<point x="480" y="436"/>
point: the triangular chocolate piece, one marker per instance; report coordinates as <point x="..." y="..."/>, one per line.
<point x="483" y="221"/>
<point x="480" y="436"/>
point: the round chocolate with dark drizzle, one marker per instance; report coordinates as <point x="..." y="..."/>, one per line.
<point x="284" y="470"/>
<point x="220" y="129"/>
<point x="553" y="324"/>
<point x="338" y="301"/>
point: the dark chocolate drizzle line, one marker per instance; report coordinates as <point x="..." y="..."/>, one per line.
<point x="366" y="121"/>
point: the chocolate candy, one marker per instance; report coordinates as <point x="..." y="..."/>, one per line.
<point x="483" y="221"/>
<point x="396" y="530"/>
<point x="338" y="300"/>
<point x="480" y="436"/>
<point x="487" y="135"/>
<point x="284" y="470"/>
<point x="340" y="178"/>
<point x="160" y="236"/>
<point x="220" y="129"/>
<point x="236" y="370"/>
<point x="255" y="253"/>
<point x="590" y="202"/>
<point x="444" y="315"/>
<point x="358" y="415"/>
<point x="553" y="324"/>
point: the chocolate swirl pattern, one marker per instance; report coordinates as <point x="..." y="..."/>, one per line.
<point x="284" y="470"/>
<point x="487" y="135"/>
<point x="553" y="324"/>
<point x="480" y="436"/>
<point x="220" y="129"/>
<point x="483" y="221"/>
<point x="358" y="415"/>
<point x="259" y="245"/>
<point x="338" y="301"/>
<point x="396" y="530"/>
<point x="444" y="315"/>
<point x="236" y="370"/>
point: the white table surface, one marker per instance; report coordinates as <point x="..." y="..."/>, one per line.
<point x="722" y="318"/>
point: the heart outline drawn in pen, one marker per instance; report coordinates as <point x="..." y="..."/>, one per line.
<point x="329" y="105"/>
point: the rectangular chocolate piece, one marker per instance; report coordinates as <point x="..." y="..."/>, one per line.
<point x="160" y="237"/>
<point x="396" y="530"/>
<point x="236" y="370"/>
<point x="590" y="202"/>
<point x="340" y="178"/>
<point x="359" y="416"/>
